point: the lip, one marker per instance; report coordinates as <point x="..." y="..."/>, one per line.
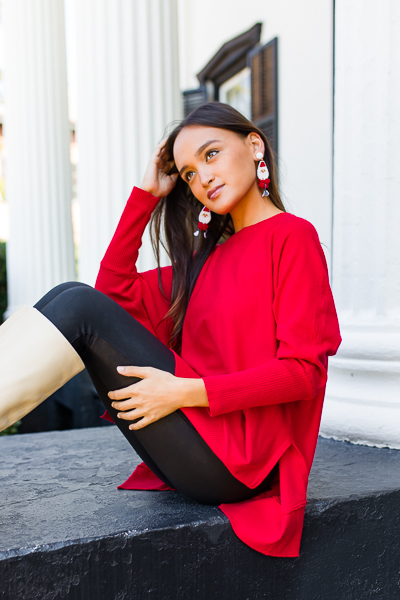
<point x="213" y="193"/>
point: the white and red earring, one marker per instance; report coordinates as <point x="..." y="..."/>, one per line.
<point x="262" y="174"/>
<point x="204" y="219"/>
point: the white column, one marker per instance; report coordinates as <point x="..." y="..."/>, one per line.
<point x="363" y="393"/>
<point x="40" y="251"/>
<point x="128" y="92"/>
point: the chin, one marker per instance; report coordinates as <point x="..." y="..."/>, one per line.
<point x="221" y="209"/>
<point x="221" y="205"/>
<point x="225" y="205"/>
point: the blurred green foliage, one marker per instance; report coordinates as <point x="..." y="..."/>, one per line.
<point x="12" y="429"/>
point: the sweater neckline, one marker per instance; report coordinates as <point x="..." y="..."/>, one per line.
<point x="250" y="227"/>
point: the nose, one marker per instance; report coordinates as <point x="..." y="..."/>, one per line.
<point x="206" y="179"/>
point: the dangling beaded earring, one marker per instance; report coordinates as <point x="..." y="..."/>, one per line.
<point x="204" y="219"/>
<point x="262" y="174"/>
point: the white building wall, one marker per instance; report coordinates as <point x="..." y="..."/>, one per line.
<point x="305" y="87"/>
<point x="363" y="393"/>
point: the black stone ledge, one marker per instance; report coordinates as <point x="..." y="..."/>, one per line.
<point x="67" y="532"/>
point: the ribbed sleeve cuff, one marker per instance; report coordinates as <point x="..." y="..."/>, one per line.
<point x="273" y="383"/>
<point x="123" y="250"/>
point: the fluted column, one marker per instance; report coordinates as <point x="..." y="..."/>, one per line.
<point x="40" y="250"/>
<point x="363" y="394"/>
<point x="128" y="91"/>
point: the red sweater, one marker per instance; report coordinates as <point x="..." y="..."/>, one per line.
<point x="259" y="327"/>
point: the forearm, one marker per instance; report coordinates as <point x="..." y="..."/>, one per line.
<point x="123" y="250"/>
<point x="276" y="382"/>
<point x="245" y="389"/>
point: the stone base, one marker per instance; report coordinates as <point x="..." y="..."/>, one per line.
<point x="67" y="532"/>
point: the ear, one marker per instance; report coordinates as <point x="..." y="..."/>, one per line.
<point x="256" y="143"/>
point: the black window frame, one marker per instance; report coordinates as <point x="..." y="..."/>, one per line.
<point x="234" y="56"/>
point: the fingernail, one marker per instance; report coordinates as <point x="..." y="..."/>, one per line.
<point x="120" y="369"/>
<point x="119" y="416"/>
<point x="113" y="404"/>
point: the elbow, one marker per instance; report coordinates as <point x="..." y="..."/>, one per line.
<point x="317" y="377"/>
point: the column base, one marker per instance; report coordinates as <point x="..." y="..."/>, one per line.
<point x="362" y="403"/>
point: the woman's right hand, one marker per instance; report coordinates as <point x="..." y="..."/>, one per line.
<point x="156" y="179"/>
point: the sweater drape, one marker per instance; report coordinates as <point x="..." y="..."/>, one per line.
<point x="259" y="327"/>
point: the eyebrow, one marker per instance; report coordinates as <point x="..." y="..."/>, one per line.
<point x="199" y="151"/>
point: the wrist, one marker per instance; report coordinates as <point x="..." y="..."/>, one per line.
<point x="147" y="188"/>
<point x="194" y="392"/>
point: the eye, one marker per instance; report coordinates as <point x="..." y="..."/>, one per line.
<point x="207" y="154"/>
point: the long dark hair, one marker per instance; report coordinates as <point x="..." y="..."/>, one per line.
<point x="180" y="211"/>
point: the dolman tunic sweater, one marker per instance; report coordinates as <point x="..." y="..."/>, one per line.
<point x="258" y="329"/>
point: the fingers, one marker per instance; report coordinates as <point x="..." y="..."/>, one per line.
<point x="161" y="151"/>
<point x="131" y="409"/>
<point x="130" y="415"/>
<point x="135" y="402"/>
<point x="160" y="144"/>
<point x="164" y="165"/>
<point x="160" y="148"/>
<point x="142" y="423"/>
<point x="125" y="404"/>
<point x="136" y="414"/>
<point x="129" y="371"/>
<point x="123" y="393"/>
<point x="135" y="371"/>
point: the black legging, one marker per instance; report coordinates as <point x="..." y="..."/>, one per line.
<point x="105" y="335"/>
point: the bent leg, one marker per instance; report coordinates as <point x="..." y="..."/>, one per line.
<point x="106" y="336"/>
<point x="55" y="291"/>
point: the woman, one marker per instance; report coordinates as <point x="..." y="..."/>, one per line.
<point x="225" y="350"/>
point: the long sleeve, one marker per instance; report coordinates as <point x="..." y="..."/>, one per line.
<point x="306" y="329"/>
<point x="118" y="278"/>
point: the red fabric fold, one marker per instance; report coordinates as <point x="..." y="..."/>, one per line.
<point x="143" y="478"/>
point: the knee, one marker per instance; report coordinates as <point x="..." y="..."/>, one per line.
<point x="81" y="294"/>
<point x="84" y="301"/>
<point x="74" y="284"/>
<point x="67" y="285"/>
<point x="55" y="292"/>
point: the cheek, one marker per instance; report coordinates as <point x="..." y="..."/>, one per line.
<point x="239" y="169"/>
<point x="242" y="175"/>
<point x="197" y="191"/>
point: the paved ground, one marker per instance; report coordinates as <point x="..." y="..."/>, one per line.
<point x="60" y="505"/>
<point x="62" y="485"/>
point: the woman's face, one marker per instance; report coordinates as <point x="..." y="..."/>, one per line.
<point x="209" y="158"/>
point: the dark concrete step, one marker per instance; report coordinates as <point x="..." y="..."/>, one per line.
<point x="67" y="532"/>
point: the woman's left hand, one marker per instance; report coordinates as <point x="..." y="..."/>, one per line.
<point x="157" y="395"/>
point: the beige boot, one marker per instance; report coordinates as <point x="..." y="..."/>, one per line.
<point x="35" y="361"/>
